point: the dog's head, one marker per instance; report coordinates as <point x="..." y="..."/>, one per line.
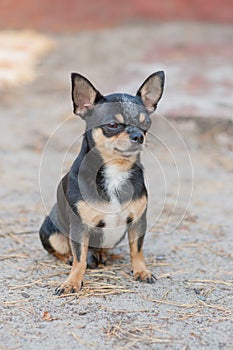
<point x="117" y="123"/>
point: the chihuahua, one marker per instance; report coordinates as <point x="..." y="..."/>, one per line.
<point x="103" y="197"/>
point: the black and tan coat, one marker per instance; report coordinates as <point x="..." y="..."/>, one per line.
<point x="103" y="198"/>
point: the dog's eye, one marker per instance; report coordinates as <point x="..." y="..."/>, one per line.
<point x="112" y="125"/>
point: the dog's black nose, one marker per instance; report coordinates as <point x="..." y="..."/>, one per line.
<point x="136" y="136"/>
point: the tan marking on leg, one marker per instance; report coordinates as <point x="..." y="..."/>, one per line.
<point x="91" y="213"/>
<point x="63" y="257"/>
<point x="119" y="117"/>
<point x="137" y="207"/>
<point x="60" y="243"/>
<point x="141" y="117"/>
<point x="74" y="281"/>
<point x="103" y="256"/>
<point x="138" y="265"/>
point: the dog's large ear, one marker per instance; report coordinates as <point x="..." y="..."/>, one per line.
<point x="151" y="90"/>
<point x="84" y="94"/>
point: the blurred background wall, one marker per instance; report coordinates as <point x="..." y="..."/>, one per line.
<point x="66" y="15"/>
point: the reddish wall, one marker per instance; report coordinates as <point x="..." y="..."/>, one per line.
<point x="77" y="14"/>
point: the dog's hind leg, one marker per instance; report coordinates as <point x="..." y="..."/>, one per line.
<point x="96" y="256"/>
<point x="55" y="242"/>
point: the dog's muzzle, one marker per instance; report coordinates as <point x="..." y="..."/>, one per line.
<point x="135" y="134"/>
<point x="137" y="137"/>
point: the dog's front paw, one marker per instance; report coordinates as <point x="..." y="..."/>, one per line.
<point x="144" y="276"/>
<point x="68" y="288"/>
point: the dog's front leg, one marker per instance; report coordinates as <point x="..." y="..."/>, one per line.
<point x="79" y="245"/>
<point x="136" y="234"/>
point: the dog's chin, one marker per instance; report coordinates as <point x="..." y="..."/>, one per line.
<point x="127" y="153"/>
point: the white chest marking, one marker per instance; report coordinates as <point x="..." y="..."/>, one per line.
<point x="114" y="178"/>
<point x="115" y="219"/>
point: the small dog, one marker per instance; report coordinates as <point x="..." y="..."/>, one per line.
<point x="103" y="196"/>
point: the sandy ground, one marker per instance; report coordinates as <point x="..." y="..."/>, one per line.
<point x="189" y="164"/>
